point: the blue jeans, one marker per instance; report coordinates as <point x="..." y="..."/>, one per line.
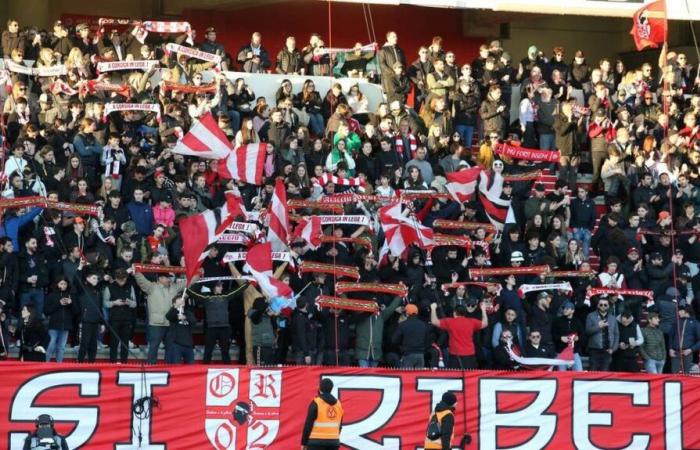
<point x="235" y="118"/>
<point x="57" y="343"/>
<point x="654" y="365"/>
<point x="33" y="295"/>
<point x="584" y="237"/>
<point x="547" y="142"/>
<point x="176" y="353"/>
<point x="368" y="362"/>
<point x="576" y="367"/>
<point x="156" y="335"/>
<point x="316" y="124"/>
<point x="466" y="132"/>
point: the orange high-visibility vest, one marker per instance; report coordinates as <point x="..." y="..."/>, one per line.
<point x="437" y="444"/>
<point x="328" y="420"/>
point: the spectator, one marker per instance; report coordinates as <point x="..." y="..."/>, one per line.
<point x="603" y="336"/>
<point x="179" y="343"/>
<point x="411" y="336"/>
<point x="159" y="298"/>
<point x="253" y="57"/>
<point x="566" y="328"/>
<point x="684" y="340"/>
<point x="461" y="334"/>
<point x="60" y="309"/>
<point x="653" y="349"/>
<point x="631" y="338"/>
<point x="370" y="332"/>
<point x="119" y="299"/>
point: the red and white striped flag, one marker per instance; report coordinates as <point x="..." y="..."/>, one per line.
<point x="245" y="163"/>
<point x="259" y="264"/>
<point x="462" y="184"/>
<point x="278" y="232"/>
<point x="204" y="229"/>
<point x="498" y="210"/>
<point x="401" y="231"/>
<point x="309" y="229"/>
<point x="205" y="140"/>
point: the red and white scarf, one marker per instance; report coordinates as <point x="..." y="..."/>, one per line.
<point x="61" y="87"/>
<point x="193" y="53"/>
<point x="142" y="29"/>
<point x="365" y="48"/>
<point x="234" y="238"/>
<point x="328" y="178"/>
<point x="157" y="268"/>
<point x="526" y="288"/>
<point x="188" y="88"/>
<point x="53" y="71"/>
<point x="147" y="107"/>
<point x="413" y="143"/>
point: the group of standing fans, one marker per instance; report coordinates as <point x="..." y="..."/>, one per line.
<point x="68" y="279"/>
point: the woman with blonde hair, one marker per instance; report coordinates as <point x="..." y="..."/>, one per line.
<point x="19" y="90"/>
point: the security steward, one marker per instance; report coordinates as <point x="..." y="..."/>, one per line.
<point x="323" y="421"/>
<point x="441" y="425"/>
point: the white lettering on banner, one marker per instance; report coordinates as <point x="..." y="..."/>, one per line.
<point x="244" y="227"/>
<point x="584" y="419"/>
<point x="262" y="434"/>
<point x="353" y="435"/>
<point x="673" y="415"/>
<point x="143" y="384"/>
<point x="222" y="386"/>
<point x="266" y="388"/>
<point x="437" y="387"/>
<point x="221" y="433"/>
<point x="491" y="421"/>
<point x="23" y="409"/>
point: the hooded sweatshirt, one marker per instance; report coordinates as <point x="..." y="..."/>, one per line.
<point x="311" y="418"/>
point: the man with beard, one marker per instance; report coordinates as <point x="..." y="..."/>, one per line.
<point x="603" y="336"/>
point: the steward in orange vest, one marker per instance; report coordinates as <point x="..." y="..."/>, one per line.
<point x="444" y="415"/>
<point x="323" y="421"/>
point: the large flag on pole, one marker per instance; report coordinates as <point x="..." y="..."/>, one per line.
<point x="204" y="229"/>
<point x="278" y="233"/>
<point x="462" y="184"/>
<point x="649" y="25"/>
<point x="401" y="231"/>
<point x="205" y="140"/>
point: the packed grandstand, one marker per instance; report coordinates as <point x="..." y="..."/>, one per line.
<point x="509" y="211"/>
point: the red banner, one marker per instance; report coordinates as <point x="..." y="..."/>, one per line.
<point x="530" y="154"/>
<point x="385" y="409"/>
<point x="649" y="25"/>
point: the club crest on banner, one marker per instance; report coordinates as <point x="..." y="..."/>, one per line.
<point x="234" y="420"/>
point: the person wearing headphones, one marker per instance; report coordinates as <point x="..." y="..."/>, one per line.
<point x="45" y="436"/>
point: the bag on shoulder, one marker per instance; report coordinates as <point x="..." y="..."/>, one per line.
<point x="434" y="431"/>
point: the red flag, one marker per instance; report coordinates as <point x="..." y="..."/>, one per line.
<point x="401" y="231"/>
<point x="309" y="229"/>
<point x="278" y="233"/>
<point x="462" y="184"/>
<point x="649" y="25"/>
<point x="201" y="230"/>
<point x="259" y="264"/>
<point x="205" y="140"/>
<point x="245" y="163"/>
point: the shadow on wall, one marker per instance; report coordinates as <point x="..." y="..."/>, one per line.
<point x="415" y="26"/>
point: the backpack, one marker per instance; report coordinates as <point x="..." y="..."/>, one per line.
<point x="434" y="431"/>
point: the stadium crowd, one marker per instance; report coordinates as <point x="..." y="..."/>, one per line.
<point x="68" y="274"/>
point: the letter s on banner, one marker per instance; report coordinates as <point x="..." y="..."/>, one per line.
<point x="491" y="421"/>
<point x="353" y="434"/>
<point x="23" y="409"/>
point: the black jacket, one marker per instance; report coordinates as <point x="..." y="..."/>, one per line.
<point x="30" y="265"/>
<point x="180" y="333"/>
<point x="564" y="327"/>
<point x="583" y="214"/>
<point x="90" y="301"/>
<point x="60" y="316"/>
<point x="447" y="425"/>
<point x="216" y="306"/>
<point x="411" y="336"/>
<point x="303" y="335"/>
<point x="542" y="351"/>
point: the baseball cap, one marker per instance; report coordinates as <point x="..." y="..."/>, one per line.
<point x="632" y="250"/>
<point x="516" y="257"/>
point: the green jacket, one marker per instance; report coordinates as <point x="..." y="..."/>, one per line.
<point x="370" y="331"/>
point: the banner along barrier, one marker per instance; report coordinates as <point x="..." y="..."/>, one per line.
<point x="384" y="409"/>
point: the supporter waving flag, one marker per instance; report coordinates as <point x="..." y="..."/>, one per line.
<point x="259" y="264"/>
<point x="204" y="229"/>
<point x="205" y="140"/>
<point x="278" y="232"/>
